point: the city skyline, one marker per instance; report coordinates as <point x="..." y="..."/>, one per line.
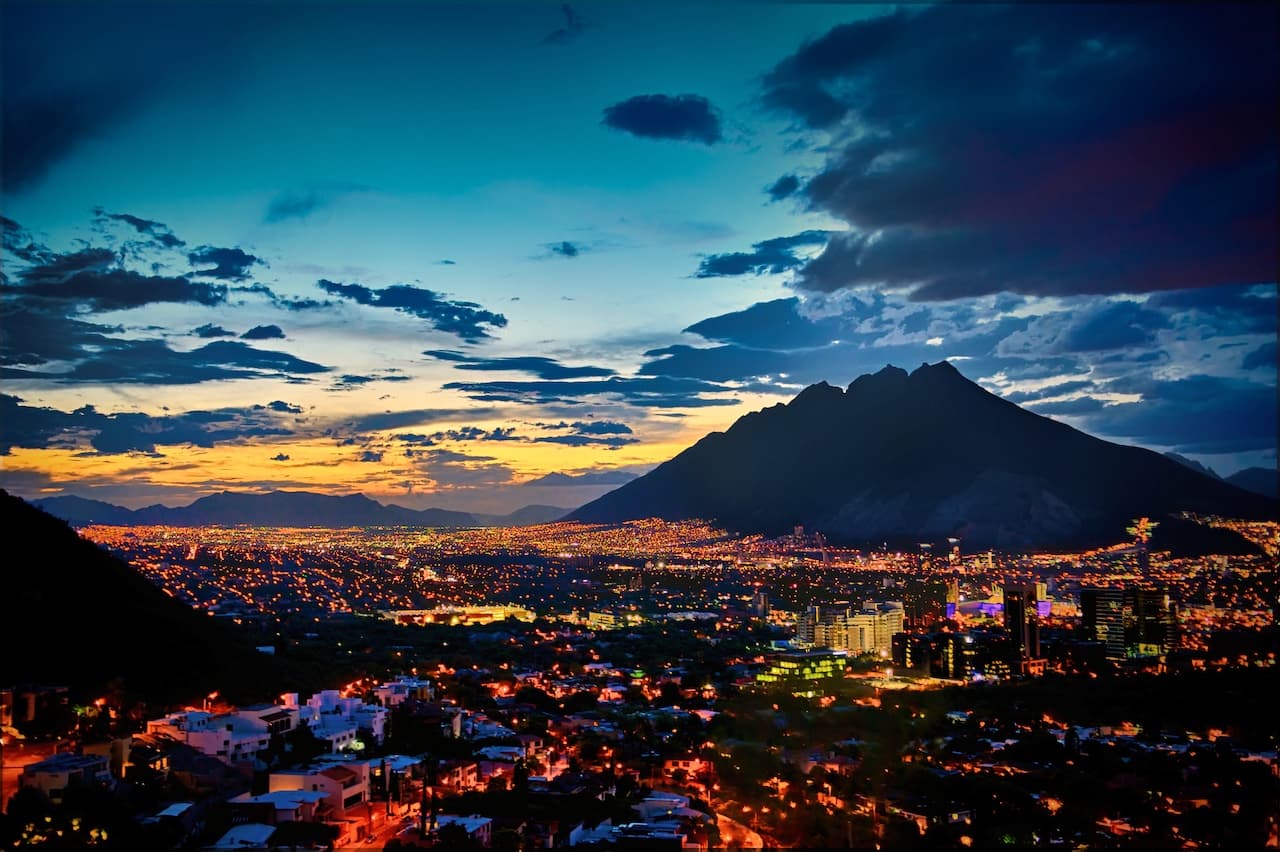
<point x="434" y="254"/>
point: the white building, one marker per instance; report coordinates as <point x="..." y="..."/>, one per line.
<point x="54" y="775"/>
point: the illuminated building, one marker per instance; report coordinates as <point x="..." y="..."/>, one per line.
<point x="799" y="667"/>
<point x="1020" y="619"/>
<point x="1131" y="623"/>
<point x="1102" y="616"/>
<point x="866" y="631"/>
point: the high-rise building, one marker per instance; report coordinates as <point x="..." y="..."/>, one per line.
<point x="760" y="604"/>
<point x="1130" y="622"/>
<point x="1021" y="621"/>
<point x="1102" y="616"/>
<point x="1152" y="623"/>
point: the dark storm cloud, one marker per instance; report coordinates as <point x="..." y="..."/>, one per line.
<point x="1262" y="358"/>
<point x="1194" y="415"/>
<point x="17" y="242"/>
<point x="688" y="117"/>
<point x="536" y="365"/>
<point x="777" y="324"/>
<point x="158" y="232"/>
<point x="464" y="319"/>
<point x="152" y="362"/>
<point x="1042" y="149"/>
<point x="1228" y="310"/>
<point x="209" y="330"/>
<point x="32" y="337"/>
<point x="230" y="264"/>
<point x="1060" y="389"/>
<point x="34" y="427"/>
<point x="1118" y="325"/>
<point x="773" y="256"/>
<point x="660" y="392"/>
<point x="91" y="279"/>
<point x="264" y="332"/>
<point x="571" y="30"/>
<point x="783" y="187"/>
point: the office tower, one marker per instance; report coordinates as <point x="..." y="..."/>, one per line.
<point x="1151" y="623"/>
<point x="760" y="604"/>
<point x="1102" y="616"/>
<point x="1021" y="621"/>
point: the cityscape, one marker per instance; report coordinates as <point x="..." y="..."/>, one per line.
<point x="639" y="426"/>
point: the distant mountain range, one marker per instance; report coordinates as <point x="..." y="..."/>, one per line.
<point x="285" y="509"/>
<point x="901" y="457"/>
<point x="74" y="615"/>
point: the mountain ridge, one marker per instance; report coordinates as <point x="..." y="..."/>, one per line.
<point x="911" y="456"/>
<point x="283" y="508"/>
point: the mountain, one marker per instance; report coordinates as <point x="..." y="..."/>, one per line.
<point x="525" y="516"/>
<point x="83" y="512"/>
<point x="72" y="614"/>
<point x="1193" y="464"/>
<point x="1259" y="480"/>
<point x="285" y="509"/>
<point x="918" y="457"/>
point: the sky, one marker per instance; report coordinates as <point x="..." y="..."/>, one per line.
<point x="482" y="256"/>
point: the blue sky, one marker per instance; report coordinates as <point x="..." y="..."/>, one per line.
<point x="256" y="246"/>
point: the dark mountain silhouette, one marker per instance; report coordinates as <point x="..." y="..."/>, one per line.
<point x="1259" y="480"/>
<point x="284" y="509"/>
<point x="1193" y="464"/>
<point x="526" y="516"/>
<point x="907" y="458"/>
<point x="72" y="614"/>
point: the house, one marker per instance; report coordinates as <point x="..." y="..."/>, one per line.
<point x="54" y="775"/>
<point x="478" y="828"/>
<point x="345" y="785"/>
<point x="280" y="806"/>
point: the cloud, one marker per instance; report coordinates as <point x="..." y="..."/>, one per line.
<point x="784" y="187"/>
<point x="280" y="457"/>
<point x="600" y="427"/>
<point x="1194" y="415"/>
<point x="571" y="30"/>
<point x="543" y="368"/>
<point x="773" y="256"/>
<point x="264" y="332"/>
<point x="452" y="470"/>
<point x="691" y="118"/>
<point x="231" y="264"/>
<point x="386" y="420"/>
<point x="282" y="407"/>
<point x="209" y="330"/>
<point x="152" y="362"/>
<point x="370" y="456"/>
<point x="564" y="248"/>
<point x="464" y="319"/>
<point x="1097" y="149"/>
<point x="300" y="204"/>
<point x="658" y="392"/>
<point x="157" y="232"/>
<point x="39" y="427"/>
<point x="613" y="441"/>
<point x="1262" y="358"/>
